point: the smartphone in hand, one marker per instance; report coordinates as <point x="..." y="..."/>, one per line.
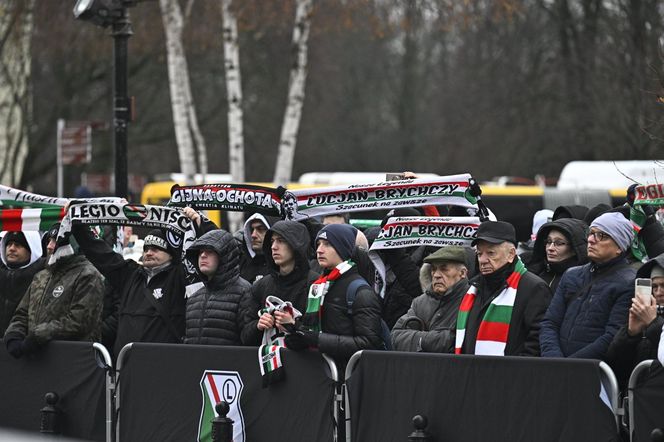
<point x="643" y="290"/>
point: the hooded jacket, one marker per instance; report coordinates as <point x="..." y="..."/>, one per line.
<point x="253" y="266"/>
<point x="438" y="314"/>
<point x="626" y="351"/>
<point x="15" y="281"/>
<point x="212" y="316"/>
<point x="292" y="287"/>
<point x="575" y="232"/>
<point x="64" y="301"/>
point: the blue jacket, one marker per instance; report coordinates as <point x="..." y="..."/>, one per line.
<point x="590" y="304"/>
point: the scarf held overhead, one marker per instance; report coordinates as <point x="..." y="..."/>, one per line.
<point x="495" y="326"/>
<point x="445" y="190"/>
<point x="412" y="231"/>
<point x="235" y="197"/>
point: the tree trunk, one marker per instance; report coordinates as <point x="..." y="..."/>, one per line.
<point x="16" y="19"/>
<point x="234" y="97"/>
<point x="298" y="77"/>
<point x="184" y="114"/>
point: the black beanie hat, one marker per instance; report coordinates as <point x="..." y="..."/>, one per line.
<point x="341" y="237"/>
<point x="18" y="238"/>
<point x="156" y="238"/>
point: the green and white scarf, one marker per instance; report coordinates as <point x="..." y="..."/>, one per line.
<point x="269" y="353"/>
<point x="317" y="292"/>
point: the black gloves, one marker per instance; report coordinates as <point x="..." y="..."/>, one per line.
<point x="14" y="346"/>
<point x="301" y="339"/>
<point x="19" y="346"/>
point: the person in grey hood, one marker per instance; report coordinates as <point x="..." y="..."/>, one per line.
<point x="560" y="244"/>
<point x="21" y="254"/>
<point x="430" y="323"/>
<point x="286" y="247"/>
<point x="212" y="314"/>
<point x="252" y="260"/>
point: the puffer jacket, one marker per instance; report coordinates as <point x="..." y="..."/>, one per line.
<point x="576" y="233"/>
<point x="626" y="351"/>
<point x="212" y="313"/>
<point x="438" y="313"/>
<point x="15" y="281"/>
<point x="293" y="287"/>
<point x="344" y="334"/>
<point x="590" y="305"/>
<point x="63" y="302"/>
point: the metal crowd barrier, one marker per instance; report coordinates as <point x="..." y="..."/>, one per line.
<point x="640" y="369"/>
<point x="110" y="389"/>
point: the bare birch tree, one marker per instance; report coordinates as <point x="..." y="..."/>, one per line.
<point x="234" y="97"/>
<point x="16" y="22"/>
<point x="296" y="84"/>
<point x="187" y="132"/>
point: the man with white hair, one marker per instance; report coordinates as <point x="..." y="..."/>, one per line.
<point x="592" y="301"/>
<point x="501" y="312"/>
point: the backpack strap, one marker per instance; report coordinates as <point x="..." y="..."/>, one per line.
<point x="351" y="293"/>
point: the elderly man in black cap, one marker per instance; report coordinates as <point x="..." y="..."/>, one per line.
<point x="429" y="325"/>
<point x="502" y="310"/>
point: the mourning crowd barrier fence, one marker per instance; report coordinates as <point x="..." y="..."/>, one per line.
<point x="168" y="392"/>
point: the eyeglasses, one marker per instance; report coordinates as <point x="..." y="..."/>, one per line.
<point x="557" y="244"/>
<point x="598" y="236"/>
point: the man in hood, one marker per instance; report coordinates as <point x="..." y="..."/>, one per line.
<point x="21" y="254"/>
<point x="64" y="302"/>
<point x="285" y="247"/>
<point x="212" y="313"/>
<point x="252" y="262"/>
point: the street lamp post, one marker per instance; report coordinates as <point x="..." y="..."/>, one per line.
<point x="114" y="13"/>
<point x="121" y="102"/>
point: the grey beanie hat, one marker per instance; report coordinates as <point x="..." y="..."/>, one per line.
<point x="657" y="271"/>
<point x="617" y="227"/>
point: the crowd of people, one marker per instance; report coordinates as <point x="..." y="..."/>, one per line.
<point x="566" y="293"/>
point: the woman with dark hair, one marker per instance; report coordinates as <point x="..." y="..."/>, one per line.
<point x="560" y="244"/>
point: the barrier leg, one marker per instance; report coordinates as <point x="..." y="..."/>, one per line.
<point x="110" y="390"/>
<point x="610" y="383"/>
<point x="337" y="397"/>
<point x="118" y="371"/>
<point x="350" y="367"/>
<point x="633" y="379"/>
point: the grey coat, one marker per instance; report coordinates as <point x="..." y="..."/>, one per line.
<point x="438" y="315"/>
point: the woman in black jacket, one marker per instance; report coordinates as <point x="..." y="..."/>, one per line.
<point x="560" y="244"/>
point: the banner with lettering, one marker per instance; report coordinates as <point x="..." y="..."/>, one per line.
<point x="15" y="198"/>
<point x="413" y="231"/>
<point x="234" y="197"/>
<point x="445" y="190"/>
<point x="649" y="194"/>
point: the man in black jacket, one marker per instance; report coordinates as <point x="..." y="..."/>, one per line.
<point x="285" y="247"/>
<point x="213" y="315"/>
<point x="335" y="330"/>
<point x="503" y="286"/>
<point x="152" y="295"/>
<point x="21" y="254"/>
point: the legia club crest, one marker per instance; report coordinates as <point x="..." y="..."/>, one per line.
<point x="217" y="386"/>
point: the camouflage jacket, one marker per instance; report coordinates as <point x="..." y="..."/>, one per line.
<point x="63" y="302"/>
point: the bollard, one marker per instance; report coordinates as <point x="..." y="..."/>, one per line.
<point x="420" y="434"/>
<point x="50" y="415"/>
<point x="222" y="426"/>
<point x="657" y="435"/>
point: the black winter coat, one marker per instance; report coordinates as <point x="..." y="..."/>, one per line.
<point x="293" y="287"/>
<point x="138" y="319"/>
<point x="212" y="315"/>
<point x="343" y="334"/>
<point x="576" y="233"/>
<point x="532" y="299"/>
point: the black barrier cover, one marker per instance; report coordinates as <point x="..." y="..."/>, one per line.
<point x="649" y="403"/>
<point x="162" y="393"/>
<point x="66" y="368"/>
<point x="474" y="398"/>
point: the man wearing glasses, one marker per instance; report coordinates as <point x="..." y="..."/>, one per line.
<point x="592" y="301"/>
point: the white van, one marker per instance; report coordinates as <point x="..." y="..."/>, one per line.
<point x="607" y="175"/>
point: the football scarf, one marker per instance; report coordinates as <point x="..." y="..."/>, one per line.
<point x="269" y="353"/>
